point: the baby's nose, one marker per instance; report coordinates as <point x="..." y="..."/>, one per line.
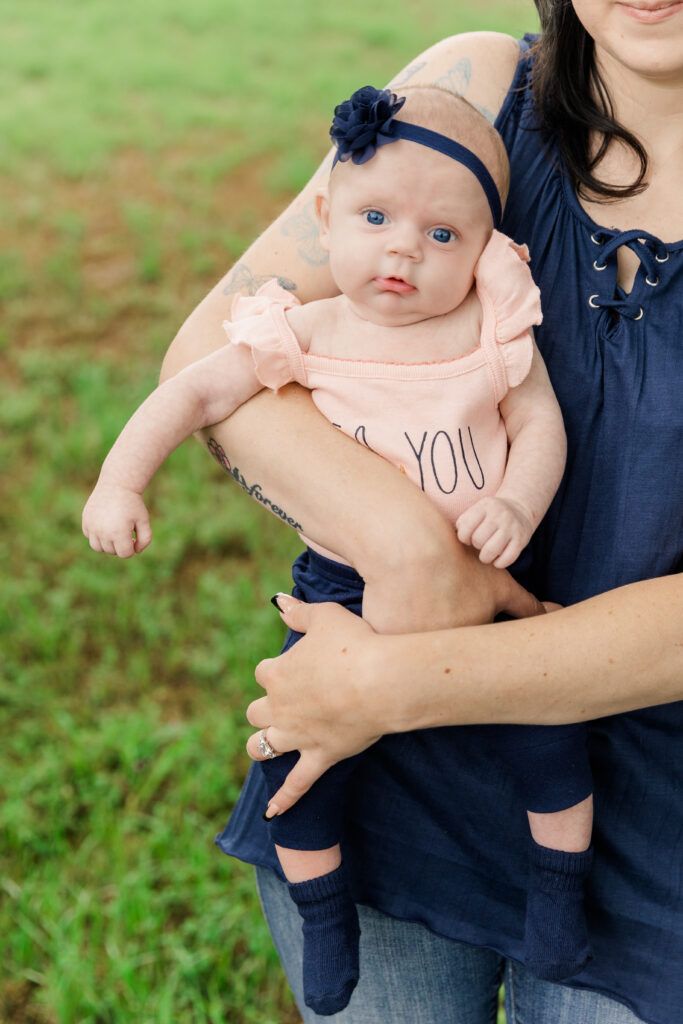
<point x="405" y="240"/>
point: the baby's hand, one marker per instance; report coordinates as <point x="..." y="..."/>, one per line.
<point x="498" y="528"/>
<point x="111" y="515"/>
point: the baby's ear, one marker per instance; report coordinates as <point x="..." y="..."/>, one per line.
<point x="322" y="212"/>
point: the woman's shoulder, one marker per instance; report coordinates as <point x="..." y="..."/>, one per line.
<point x="477" y="65"/>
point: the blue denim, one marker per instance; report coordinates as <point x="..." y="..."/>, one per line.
<point x="411" y="975"/>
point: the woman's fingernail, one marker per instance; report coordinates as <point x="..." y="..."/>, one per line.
<point x="270" y="812"/>
<point x="274" y="600"/>
<point x="284" y="602"/>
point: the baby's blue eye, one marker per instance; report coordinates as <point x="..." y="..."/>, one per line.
<point x="374" y="217"/>
<point x="442" y="235"/>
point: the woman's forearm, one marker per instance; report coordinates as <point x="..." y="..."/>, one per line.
<point x="323" y="483"/>
<point x="342" y="686"/>
<point x="613" y="653"/>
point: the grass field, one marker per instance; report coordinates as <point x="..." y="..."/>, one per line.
<point x="142" y="146"/>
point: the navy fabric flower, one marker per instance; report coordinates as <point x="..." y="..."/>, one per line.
<point x="362" y="123"/>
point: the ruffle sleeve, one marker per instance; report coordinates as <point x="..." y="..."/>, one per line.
<point x="259" y="323"/>
<point x="504" y="282"/>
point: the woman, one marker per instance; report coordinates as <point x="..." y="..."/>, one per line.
<point x="427" y="853"/>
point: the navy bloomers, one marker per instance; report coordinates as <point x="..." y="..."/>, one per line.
<point x="548" y="764"/>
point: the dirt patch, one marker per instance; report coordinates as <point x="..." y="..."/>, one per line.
<point x="17" y="1005"/>
<point x="232" y="554"/>
<point x="105" y="258"/>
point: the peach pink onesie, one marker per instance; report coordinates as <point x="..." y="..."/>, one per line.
<point x="438" y="421"/>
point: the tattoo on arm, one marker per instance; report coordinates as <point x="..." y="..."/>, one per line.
<point x="408" y="73"/>
<point x="303" y="226"/>
<point x="241" y="279"/>
<point x="253" y="490"/>
<point x="485" y="112"/>
<point x="457" y="80"/>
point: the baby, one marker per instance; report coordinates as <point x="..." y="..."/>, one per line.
<point x="427" y="357"/>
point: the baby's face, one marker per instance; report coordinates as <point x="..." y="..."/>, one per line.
<point x="404" y="232"/>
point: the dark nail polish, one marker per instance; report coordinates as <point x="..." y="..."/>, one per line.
<point x="273" y="601"/>
<point x="265" y="816"/>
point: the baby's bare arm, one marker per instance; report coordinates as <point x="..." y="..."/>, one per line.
<point x="538" y="444"/>
<point x="499" y="527"/>
<point x="202" y="393"/>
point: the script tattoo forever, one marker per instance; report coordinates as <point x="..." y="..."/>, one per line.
<point x="253" y="490"/>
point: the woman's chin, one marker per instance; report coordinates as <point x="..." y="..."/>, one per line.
<point x="653" y="51"/>
<point x="640" y="36"/>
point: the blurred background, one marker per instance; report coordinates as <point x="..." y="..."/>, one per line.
<point x="142" y="147"/>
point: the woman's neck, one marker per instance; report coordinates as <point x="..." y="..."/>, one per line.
<point x="649" y="106"/>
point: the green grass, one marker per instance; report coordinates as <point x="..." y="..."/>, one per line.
<point x="126" y="134"/>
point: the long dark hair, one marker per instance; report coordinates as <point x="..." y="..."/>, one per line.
<point x="572" y="101"/>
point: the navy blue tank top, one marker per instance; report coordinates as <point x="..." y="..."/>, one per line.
<point x="434" y="831"/>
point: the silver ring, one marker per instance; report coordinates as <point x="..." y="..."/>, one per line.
<point x="264" y="747"/>
<point x="597" y="267"/>
<point x="596" y="241"/>
<point x="593" y="304"/>
<point x="652" y="284"/>
<point x="640" y="314"/>
<point x="662" y="259"/>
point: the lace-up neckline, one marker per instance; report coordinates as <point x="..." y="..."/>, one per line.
<point x="651" y="251"/>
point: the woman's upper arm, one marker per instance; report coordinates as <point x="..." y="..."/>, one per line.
<point x="477" y="65"/>
<point x="289" y="250"/>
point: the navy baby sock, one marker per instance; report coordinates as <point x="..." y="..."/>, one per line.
<point x="555" y="939"/>
<point x="331" y="933"/>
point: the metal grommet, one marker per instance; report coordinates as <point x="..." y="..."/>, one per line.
<point x="596" y="267"/>
<point x="652" y="284"/>
<point x="592" y="304"/>
<point x="596" y="241"/>
<point x="640" y="315"/>
<point x="662" y="259"/>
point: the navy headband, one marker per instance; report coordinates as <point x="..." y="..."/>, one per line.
<point x="366" y="121"/>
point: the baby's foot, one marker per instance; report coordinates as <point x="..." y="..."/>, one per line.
<point x="555" y="939"/>
<point x="331" y="933"/>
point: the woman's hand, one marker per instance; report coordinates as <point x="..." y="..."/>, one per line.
<point x="328" y="696"/>
<point x="343" y="686"/>
<point x="320" y="697"/>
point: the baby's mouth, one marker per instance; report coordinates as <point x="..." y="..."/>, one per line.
<point x="394" y="284"/>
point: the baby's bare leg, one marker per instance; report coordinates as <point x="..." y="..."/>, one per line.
<point x="555" y="940"/>
<point x="564" y="830"/>
<point x="319" y="888"/>
<point x="301" y="865"/>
